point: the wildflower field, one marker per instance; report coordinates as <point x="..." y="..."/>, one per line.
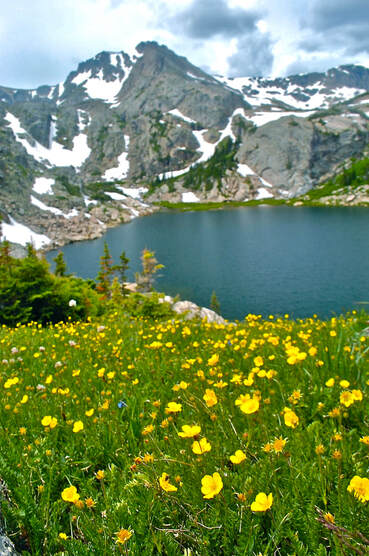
<point x="122" y="435"/>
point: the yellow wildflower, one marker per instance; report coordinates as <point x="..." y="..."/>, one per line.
<point x="290" y="418"/>
<point x="247" y="404"/>
<point x="211" y="485"/>
<point x="210" y="398"/>
<point x="165" y="484"/>
<point x="360" y="487"/>
<point x="346" y="398"/>
<point x="189" y="431"/>
<point x="70" y="494"/>
<point x="213" y="360"/>
<point x="78" y="426"/>
<point x="201" y="446"/>
<point x="238" y="457"/>
<point x="122" y="536"/>
<point x="262" y="502"/>
<point x="279" y="444"/>
<point x="173" y="407"/>
<point x="49" y="421"/>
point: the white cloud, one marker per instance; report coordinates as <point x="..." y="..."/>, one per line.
<point x="42" y="41"/>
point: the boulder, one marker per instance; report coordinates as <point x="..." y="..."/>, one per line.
<point x="191" y="311"/>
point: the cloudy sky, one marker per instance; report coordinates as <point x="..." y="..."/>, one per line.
<point x="41" y="41"/>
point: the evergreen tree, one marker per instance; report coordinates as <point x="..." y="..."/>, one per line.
<point x="116" y="292"/>
<point x="214" y="303"/>
<point x="5" y="256"/>
<point x="105" y="274"/>
<point x="60" y="266"/>
<point x="121" y="269"/>
<point x="150" y="266"/>
<point x="31" y="251"/>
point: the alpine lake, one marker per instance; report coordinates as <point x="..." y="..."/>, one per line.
<point x="301" y="261"/>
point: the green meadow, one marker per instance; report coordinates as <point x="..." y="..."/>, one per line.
<point x="134" y="435"/>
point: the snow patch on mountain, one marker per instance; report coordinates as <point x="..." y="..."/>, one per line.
<point x="18" y="233"/>
<point x="245" y="170"/>
<point x="121" y="171"/>
<point x="98" y="86"/>
<point x="115" y="196"/>
<point x="39" y="204"/>
<point x="189" y="197"/>
<point x="207" y="149"/>
<point x="178" y="114"/>
<point x="43" y="186"/>
<point x="258" y="91"/>
<point x="83" y="119"/>
<point x="263" y="194"/>
<point x="134" y="192"/>
<point x="56" y="155"/>
<point x="262" y="118"/>
<point x="104" y="90"/>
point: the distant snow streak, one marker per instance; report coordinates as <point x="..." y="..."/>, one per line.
<point x="121" y="171"/>
<point x="189" y="197"/>
<point x="43" y="186"/>
<point x="18" y="233"/>
<point x="178" y="114"/>
<point x="39" y="204"/>
<point x="56" y="155"/>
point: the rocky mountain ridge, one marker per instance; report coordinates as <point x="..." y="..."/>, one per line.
<point x="123" y="131"/>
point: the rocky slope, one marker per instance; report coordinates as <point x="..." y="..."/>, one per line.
<point x="125" y="130"/>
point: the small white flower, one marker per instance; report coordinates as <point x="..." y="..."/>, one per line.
<point x="72" y="303"/>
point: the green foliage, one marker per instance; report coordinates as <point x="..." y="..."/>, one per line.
<point x="335" y="110"/>
<point x="60" y="266"/>
<point x="105" y="275"/>
<point x="150" y="266"/>
<point x="120" y="376"/>
<point x="72" y="189"/>
<point x="214" y="303"/>
<point x="211" y="172"/>
<point x="122" y="269"/>
<point x="96" y="190"/>
<point x="29" y="291"/>
<point x="185" y="207"/>
<point x="355" y="175"/>
<point x="142" y="305"/>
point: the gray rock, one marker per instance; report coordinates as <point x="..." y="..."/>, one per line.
<point x="191" y="311"/>
<point x="7" y="547"/>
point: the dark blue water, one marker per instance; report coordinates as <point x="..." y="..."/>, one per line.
<point x="263" y="260"/>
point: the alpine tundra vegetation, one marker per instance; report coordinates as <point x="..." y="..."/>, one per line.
<point x="170" y="436"/>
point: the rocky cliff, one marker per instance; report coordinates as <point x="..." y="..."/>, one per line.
<point x="125" y="130"/>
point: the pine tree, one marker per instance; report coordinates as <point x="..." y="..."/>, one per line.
<point x="121" y="269"/>
<point x="116" y="292"/>
<point x="60" y="266"/>
<point x="150" y="266"/>
<point x="105" y="274"/>
<point x="5" y="256"/>
<point x="214" y="303"/>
